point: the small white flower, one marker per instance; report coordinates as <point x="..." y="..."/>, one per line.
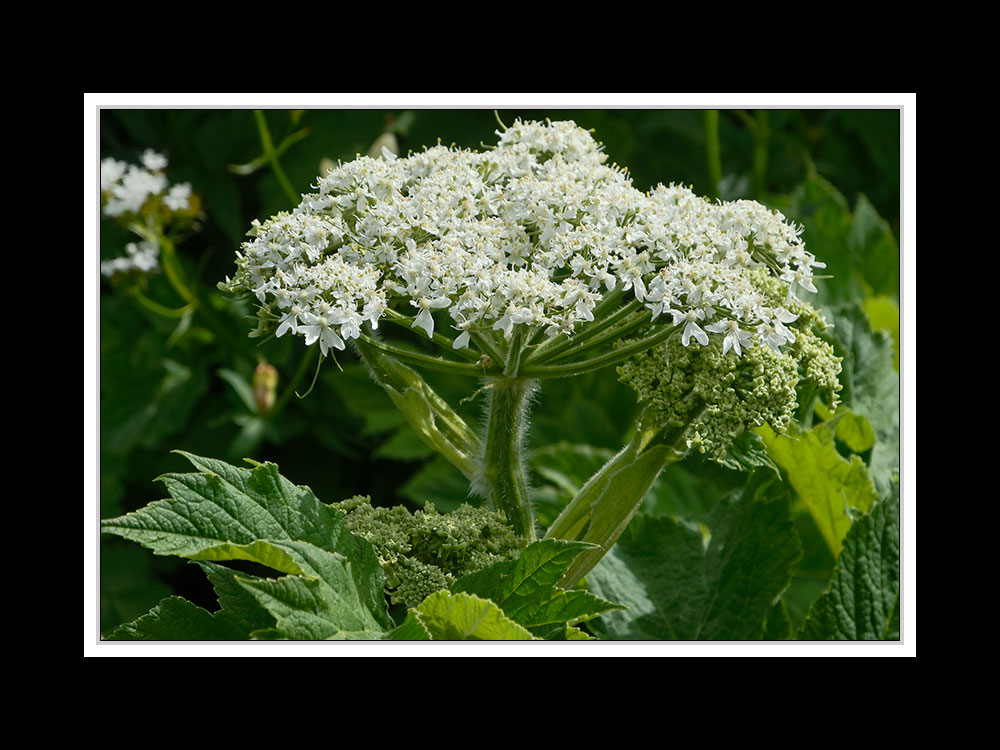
<point x="424" y="318"/>
<point x="770" y="335"/>
<point x="178" y="199"/>
<point x="735" y="338"/>
<point x="318" y="329"/>
<point x="112" y="170"/>
<point x="153" y="160"/>
<point x="691" y="327"/>
<point x="290" y="322"/>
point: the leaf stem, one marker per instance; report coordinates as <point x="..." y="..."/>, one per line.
<point x="712" y="151"/>
<point x="272" y="156"/>
<point x="548" y="352"/>
<point x="602" y="509"/>
<point x="631" y="323"/>
<point x="426" y="360"/>
<point x="441" y="340"/>
<point x="603" y="360"/>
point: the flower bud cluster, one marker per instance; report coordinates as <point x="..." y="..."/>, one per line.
<point x="534" y="232"/>
<point x="427" y="551"/>
<point x="718" y="394"/>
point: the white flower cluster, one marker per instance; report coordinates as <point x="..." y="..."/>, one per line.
<point x="534" y="232"/>
<point x="143" y="256"/>
<point x="129" y="186"/>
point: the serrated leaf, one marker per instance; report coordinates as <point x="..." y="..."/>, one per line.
<point x="411" y="629"/>
<point x="323" y="606"/>
<point x="526" y="589"/>
<point x="683" y="583"/>
<point x="231" y="513"/>
<point x="176" y="619"/>
<point x="464" y="617"/>
<point x="239" y="606"/>
<point x="870" y="387"/>
<point x="831" y="486"/>
<point x="748" y="452"/>
<point x="862" y="602"/>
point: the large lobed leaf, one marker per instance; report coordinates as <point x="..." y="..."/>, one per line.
<point x="334" y="583"/>
<point x="711" y="581"/>
<point x="832" y="487"/>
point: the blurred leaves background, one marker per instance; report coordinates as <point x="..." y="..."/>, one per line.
<point x="188" y="383"/>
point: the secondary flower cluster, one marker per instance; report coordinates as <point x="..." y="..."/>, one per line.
<point x="128" y="187"/>
<point x="720" y="395"/>
<point x="141" y="197"/>
<point x="142" y="256"/>
<point x="534" y="232"/>
<point x="427" y="551"/>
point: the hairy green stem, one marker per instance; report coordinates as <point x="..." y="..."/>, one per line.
<point x="604" y="506"/>
<point x="502" y="479"/>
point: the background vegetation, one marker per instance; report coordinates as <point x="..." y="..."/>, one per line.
<point x="185" y="381"/>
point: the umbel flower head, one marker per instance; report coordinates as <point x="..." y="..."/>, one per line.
<point x="531" y="234"/>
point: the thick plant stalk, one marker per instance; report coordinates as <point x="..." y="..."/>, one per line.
<point x="603" y="507"/>
<point x="503" y="480"/>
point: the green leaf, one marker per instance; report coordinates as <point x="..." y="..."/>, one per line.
<point x="778" y="626"/>
<point x="859" y="248"/>
<point x="712" y="581"/>
<point x="176" y="619"/>
<point x="862" y="602"/>
<point x="335" y="586"/>
<point x="239" y="606"/>
<point x="465" y="617"/>
<point x="854" y="430"/>
<point x="411" y="629"/>
<point x="832" y="487"/>
<point x="870" y="387"/>
<point x="874" y="248"/>
<point x="883" y="315"/>
<point x="527" y="591"/>
<point x="321" y="603"/>
<point x="748" y="452"/>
